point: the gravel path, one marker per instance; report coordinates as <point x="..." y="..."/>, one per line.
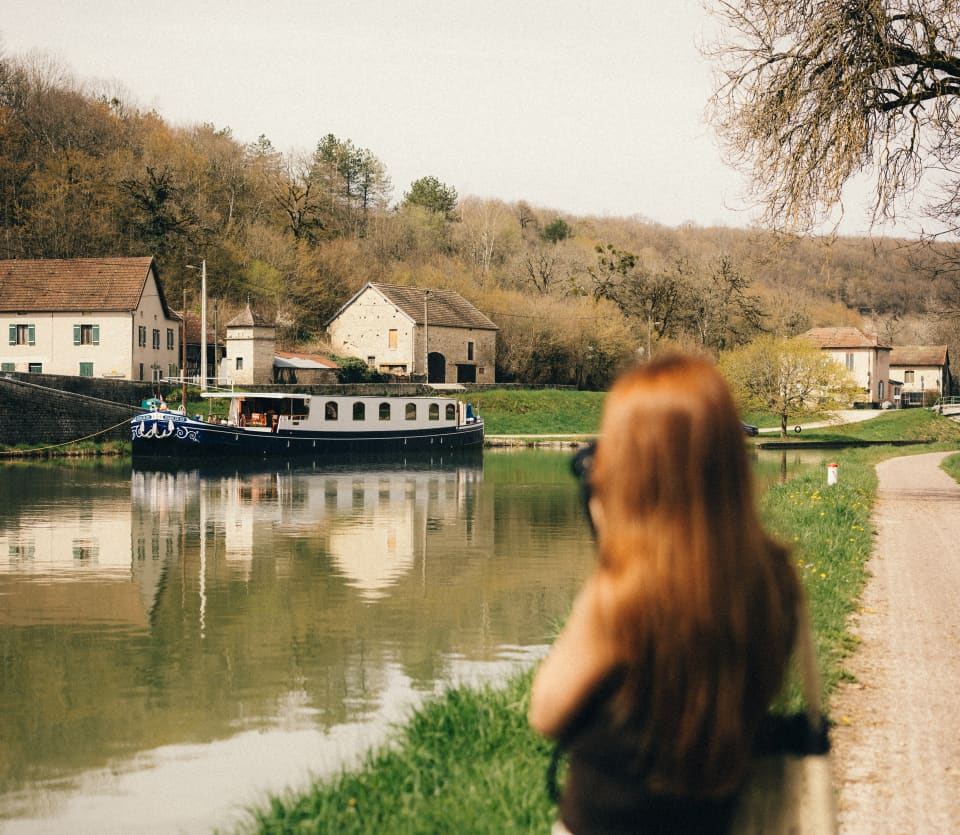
<point x="897" y="738"/>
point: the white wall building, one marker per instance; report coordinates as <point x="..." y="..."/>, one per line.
<point x="924" y="371"/>
<point x="87" y="317"/>
<point x="863" y="355"/>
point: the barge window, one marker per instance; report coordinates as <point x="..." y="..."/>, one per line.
<point x="359" y="411"/>
<point x="451" y="411"/>
<point x="330" y="410"/>
<point x="411" y="411"/>
<point x="434" y="413"/>
<point x="384" y="411"/>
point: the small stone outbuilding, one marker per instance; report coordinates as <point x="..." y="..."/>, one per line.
<point x="251" y="357"/>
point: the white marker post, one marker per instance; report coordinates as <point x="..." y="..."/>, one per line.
<point x="832" y="474"/>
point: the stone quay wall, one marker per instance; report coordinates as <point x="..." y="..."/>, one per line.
<point x="46" y="409"/>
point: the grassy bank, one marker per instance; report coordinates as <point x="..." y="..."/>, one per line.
<point x="468" y="762"/>
<point x="83" y="449"/>
<point x="541" y="412"/>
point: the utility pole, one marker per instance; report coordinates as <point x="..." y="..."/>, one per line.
<point x="426" y="347"/>
<point x="203" y="322"/>
<point x="216" y="341"/>
<point x="203" y="327"/>
<point x="183" y="348"/>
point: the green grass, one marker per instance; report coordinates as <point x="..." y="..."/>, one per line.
<point x="468" y="762"/>
<point x="539" y="412"/>
<point x="951" y="465"/>
<point x="895" y="425"/>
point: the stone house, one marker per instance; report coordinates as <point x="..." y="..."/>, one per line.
<point x="863" y="355"/>
<point x="87" y="317"/>
<point x="435" y="335"/>
<point x="923" y="370"/>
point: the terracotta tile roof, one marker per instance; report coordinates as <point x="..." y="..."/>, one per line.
<point x="293" y="360"/>
<point x="445" y="308"/>
<point x="845" y="338"/>
<point x="77" y="284"/>
<point x="919" y="355"/>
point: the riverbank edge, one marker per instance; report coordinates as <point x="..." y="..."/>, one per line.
<point x="833" y="533"/>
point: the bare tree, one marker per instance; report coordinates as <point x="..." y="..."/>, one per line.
<point x="812" y="92"/>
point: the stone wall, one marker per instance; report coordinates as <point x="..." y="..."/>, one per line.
<point x="452" y="343"/>
<point x="47" y="409"/>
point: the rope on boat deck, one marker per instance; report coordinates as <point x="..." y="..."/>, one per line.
<point x="65" y="443"/>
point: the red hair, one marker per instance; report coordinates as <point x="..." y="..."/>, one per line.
<point x="702" y="602"/>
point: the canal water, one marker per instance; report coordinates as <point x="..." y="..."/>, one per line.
<point x="174" y="645"/>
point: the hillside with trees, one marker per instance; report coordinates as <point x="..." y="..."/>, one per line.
<point x="84" y="172"/>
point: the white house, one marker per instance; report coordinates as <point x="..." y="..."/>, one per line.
<point x="863" y="355"/>
<point x="410" y="331"/>
<point x="924" y="371"/>
<point x="87" y="317"/>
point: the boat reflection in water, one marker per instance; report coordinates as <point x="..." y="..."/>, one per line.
<point x="211" y="635"/>
<point x="371" y="523"/>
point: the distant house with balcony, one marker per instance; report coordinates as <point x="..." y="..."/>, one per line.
<point x="865" y="356"/>
<point x="87" y="317"/>
<point x="436" y="335"/>
<point x="924" y="371"/>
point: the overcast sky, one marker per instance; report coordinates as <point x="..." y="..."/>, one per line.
<point x="584" y="106"/>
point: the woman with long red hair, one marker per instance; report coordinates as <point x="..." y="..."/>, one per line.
<point x="678" y="643"/>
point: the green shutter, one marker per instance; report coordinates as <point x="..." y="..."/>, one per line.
<point x="13" y="334"/>
<point x="76" y="334"/>
<point x="32" y="334"/>
<point x="96" y="334"/>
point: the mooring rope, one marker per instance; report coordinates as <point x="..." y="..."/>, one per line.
<point x="65" y="443"/>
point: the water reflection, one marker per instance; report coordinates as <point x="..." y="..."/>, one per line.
<point x="154" y="621"/>
<point x="209" y="636"/>
<point x="776" y="466"/>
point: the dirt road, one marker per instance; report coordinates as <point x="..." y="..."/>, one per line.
<point x="897" y="740"/>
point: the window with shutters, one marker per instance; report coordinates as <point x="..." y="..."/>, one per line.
<point x="86" y="334"/>
<point x="23" y="335"/>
